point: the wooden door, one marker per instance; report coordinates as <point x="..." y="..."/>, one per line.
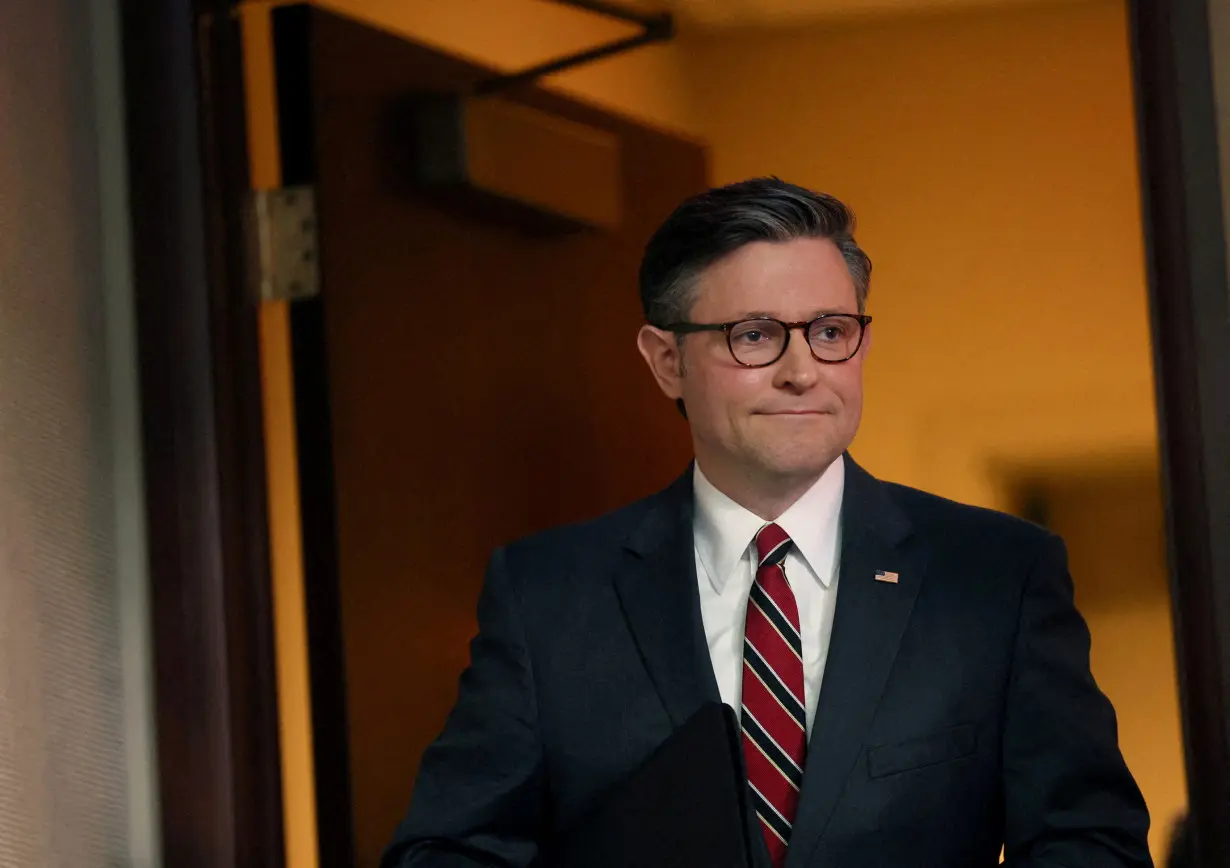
<point x="458" y="383"/>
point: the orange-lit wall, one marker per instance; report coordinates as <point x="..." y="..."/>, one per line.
<point x="991" y="158"/>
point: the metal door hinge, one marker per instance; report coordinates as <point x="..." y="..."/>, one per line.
<point x="285" y="255"/>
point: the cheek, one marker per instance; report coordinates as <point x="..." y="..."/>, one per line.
<point x="847" y="384"/>
<point x="725" y="391"/>
<point x="739" y="389"/>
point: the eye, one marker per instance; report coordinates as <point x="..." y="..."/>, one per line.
<point x="831" y="332"/>
<point x="757" y="341"/>
<point x="755" y="332"/>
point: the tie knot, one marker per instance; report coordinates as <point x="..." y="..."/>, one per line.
<point x="772" y="544"/>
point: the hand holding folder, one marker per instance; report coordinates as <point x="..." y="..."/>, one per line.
<point x="685" y="806"/>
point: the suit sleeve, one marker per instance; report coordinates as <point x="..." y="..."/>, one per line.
<point x="1069" y="798"/>
<point x="479" y="794"/>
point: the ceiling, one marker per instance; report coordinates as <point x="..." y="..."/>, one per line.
<point x="715" y="14"/>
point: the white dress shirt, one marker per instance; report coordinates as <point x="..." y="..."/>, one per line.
<point x="726" y="567"/>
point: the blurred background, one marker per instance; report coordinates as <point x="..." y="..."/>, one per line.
<point x="461" y="375"/>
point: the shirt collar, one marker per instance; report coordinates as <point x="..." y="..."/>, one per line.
<point x="723" y="529"/>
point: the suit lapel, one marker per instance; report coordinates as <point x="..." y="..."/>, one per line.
<point x="658" y="592"/>
<point x="868" y="625"/>
<point x="659" y="595"/>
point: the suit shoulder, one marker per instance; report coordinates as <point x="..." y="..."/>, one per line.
<point x="977" y="551"/>
<point x="587" y="540"/>
<point x="934" y="514"/>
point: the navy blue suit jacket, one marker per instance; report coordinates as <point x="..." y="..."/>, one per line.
<point x="957" y="712"/>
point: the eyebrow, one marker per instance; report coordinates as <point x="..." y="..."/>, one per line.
<point x="760" y="314"/>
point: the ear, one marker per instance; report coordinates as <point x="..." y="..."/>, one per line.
<point x="661" y="352"/>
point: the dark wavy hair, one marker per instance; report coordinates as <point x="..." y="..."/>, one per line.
<point x="718" y="222"/>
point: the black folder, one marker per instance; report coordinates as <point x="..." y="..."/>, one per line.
<point x="684" y="806"/>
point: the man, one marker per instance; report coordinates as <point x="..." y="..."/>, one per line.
<point x="911" y="675"/>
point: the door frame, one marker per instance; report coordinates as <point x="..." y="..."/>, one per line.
<point x="1189" y="298"/>
<point x="291" y="31"/>
<point x="215" y="689"/>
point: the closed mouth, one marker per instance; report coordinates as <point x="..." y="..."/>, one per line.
<point x="793" y="413"/>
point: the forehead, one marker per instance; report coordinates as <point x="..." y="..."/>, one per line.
<point x="794" y="279"/>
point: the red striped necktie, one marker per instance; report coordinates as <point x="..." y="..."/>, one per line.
<point x="774" y="719"/>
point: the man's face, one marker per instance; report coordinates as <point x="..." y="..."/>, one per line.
<point x="789" y="421"/>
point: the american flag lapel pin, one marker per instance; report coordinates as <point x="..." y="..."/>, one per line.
<point x="885" y="576"/>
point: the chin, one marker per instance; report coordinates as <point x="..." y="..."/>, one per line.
<point x="804" y="462"/>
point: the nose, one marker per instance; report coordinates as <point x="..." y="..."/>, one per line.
<point x="796" y="370"/>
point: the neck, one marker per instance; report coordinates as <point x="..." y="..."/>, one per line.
<point x="765" y="497"/>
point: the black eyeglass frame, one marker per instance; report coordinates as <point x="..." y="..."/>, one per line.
<point x="687" y="328"/>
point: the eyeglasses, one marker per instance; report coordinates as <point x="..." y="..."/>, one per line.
<point x="757" y="343"/>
